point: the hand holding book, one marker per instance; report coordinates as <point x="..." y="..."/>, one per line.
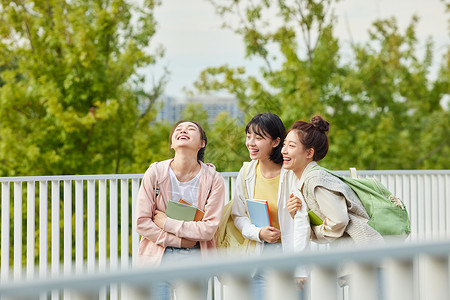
<point x="159" y="219"/>
<point x="259" y="214"/>
<point x="270" y="234"/>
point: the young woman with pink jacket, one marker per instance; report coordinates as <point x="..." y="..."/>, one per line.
<point x="186" y="177"/>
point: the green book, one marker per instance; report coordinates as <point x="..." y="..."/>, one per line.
<point x="180" y="211"/>
<point x="314" y="219"/>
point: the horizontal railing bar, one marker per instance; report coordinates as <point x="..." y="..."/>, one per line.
<point x="373" y="172"/>
<point x="224" y="174"/>
<point x="70" y="177"/>
<point x="197" y="269"/>
<point x="399" y="172"/>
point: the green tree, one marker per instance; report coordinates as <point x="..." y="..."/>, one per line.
<point x="385" y="110"/>
<point x="71" y="97"/>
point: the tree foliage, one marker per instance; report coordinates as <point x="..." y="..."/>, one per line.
<point x="226" y="136"/>
<point x="385" y="110"/>
<point x="71" y="99"/>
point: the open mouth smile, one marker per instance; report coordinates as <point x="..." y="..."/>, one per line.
<point x="253" y="151"/>
<point x="183" y="137"/>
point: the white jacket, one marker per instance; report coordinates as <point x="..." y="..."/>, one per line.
<point x="295" y="233"/>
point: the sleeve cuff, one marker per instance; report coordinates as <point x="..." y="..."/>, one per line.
<point x="172" y="240"/>
<point x="256" y="232"/>
<point x="170" y="225"/>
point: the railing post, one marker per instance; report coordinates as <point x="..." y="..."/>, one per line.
<point x="134" y="234"/>
<point x="31" y="218"/>
<point x="102" y="236"/>
<point x="113" y="235"/>
<point x="124" y="231"/>
<point x="399" y="279"/>
<point x="124" y="225"/>
<point x="55" y="205"/>
<point x="67" y="217"/>
<point x="281" y="285"/>
<point x="189" y="290"/>
<point x="82" y="295"/>
<point x="91" y="226"/>
<point x="43" y="232"/>
<point x="434" y="278"/>
<point x="4" y="276"/>
<point x="363" y="281"/>
<point x="226" y="181"/>
<point x="236" y="287"/>
<point x="102" y="225"/>
<point x="136" y="292"/>
<point x="67" y="227"/>
<point x="79" y="220"/>
<point x="323" y="283"/>
<point x="17" y="230"/>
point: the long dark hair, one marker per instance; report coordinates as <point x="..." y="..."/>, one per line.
<point x="269" y="125"/>
<point x="201" y="152"/>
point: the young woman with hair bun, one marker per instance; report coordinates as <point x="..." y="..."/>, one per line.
<point x="338" y="207"/>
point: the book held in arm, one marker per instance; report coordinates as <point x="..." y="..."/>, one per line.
<point x="198" y="214"/>
<point x="314" y="219"/>
<point x="259" y="212"/>
<point x="183" y="211"/>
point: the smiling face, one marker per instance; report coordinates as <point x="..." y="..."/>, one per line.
<point x="295" y="156"/>
<point x="187" y="135"/>
<point x="260" y="147"/>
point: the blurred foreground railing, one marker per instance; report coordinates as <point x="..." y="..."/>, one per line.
<point x="410" y="271"/>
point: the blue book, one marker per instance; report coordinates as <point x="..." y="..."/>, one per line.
<point x="259" y="212"/>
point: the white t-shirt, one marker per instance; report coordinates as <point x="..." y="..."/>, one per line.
<point x="188" y="191"/>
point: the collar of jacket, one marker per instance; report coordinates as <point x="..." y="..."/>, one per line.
<point x="311" y="165"/>
<point x="162" y="167"/>
<point x="251" y="171"/>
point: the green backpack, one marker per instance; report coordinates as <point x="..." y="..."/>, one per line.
<point x="387" y="213"/>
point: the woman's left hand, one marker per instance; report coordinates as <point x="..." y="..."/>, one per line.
<point x="294" y="204"/>
<point x="160" y="219"/>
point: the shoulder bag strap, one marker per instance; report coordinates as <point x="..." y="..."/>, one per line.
<point x="244" y="173"/>
<point x="155" y="182"/>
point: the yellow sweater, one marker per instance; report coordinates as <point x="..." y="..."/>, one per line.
<point x="267" y="189"/>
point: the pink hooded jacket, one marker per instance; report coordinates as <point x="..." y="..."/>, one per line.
<point x="154" y="240"/>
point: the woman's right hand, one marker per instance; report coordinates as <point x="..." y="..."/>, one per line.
<point x="294" y="204"/>
<point x="269" y="234"/>
<point x="185" y="243"/>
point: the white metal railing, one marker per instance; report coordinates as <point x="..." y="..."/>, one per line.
<point x="393" y="271"/>
<point x="91" y="219"/>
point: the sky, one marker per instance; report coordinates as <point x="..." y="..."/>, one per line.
<point x="193" y="38"/>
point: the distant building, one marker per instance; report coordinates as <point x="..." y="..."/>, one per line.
<point x="213" y="105"/>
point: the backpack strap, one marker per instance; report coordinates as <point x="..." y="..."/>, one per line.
<point x="248" y="244"/>
<point x="244" y="173"/>
<point x="155" y="180"/>
<point x="328" y="171"/>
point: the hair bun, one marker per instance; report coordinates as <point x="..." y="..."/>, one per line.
<point x="320" y="124"/>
